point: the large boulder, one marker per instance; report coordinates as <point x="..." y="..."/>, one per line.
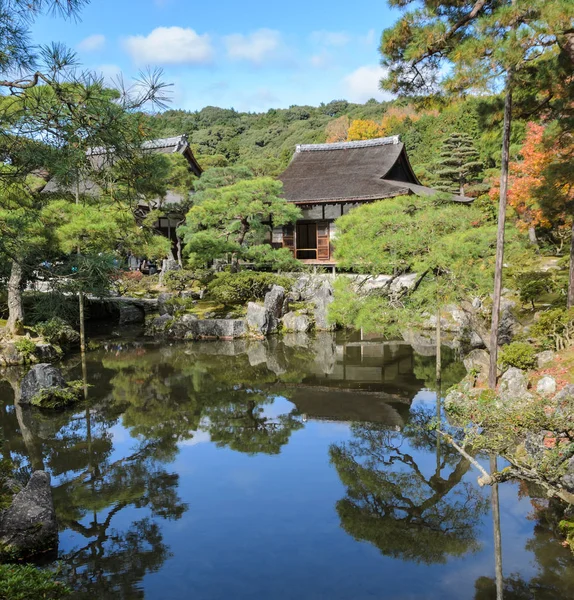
<point x="544" y="358"/>
<point x="10" y="356"/>
<point x="274" y="300"/>
<point x="131" y="314"/>
<point x="163" y="304"/>
<point x="260" y="320"/>
<point x="29" y="525"/>
<point x="318" y="291"/>
<point x="514" y="386"/>
<point x="41" y="378"/>
<point x="296" y="322"/>
<point x="477" y="362"/>
<point x="508" y="324"/>
<point x="546" y="386"/>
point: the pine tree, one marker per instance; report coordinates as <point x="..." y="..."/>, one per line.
<point x="459" y="46"/>
<point x="459" y="164"/>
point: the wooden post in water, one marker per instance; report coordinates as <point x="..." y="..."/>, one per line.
<point x="497" y="533"/>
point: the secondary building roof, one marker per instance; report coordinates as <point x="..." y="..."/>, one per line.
<point x="170" y="145"/>
<point x="352" y="172"/>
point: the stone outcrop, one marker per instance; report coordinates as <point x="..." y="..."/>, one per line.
<point x="477" y="362"/>
<point x="546" y="385"/>
<point x="40" y="378"/>
<point x="514" y="386"/>
<point x="130" y="314"/>
<point x="260" y="320"/>
<point x="264" y="318"/>
<point x="296" y="322"/>
<point x="189" y="327"/>
<point x="316" y="290"/>
<point x="29" y="525"/>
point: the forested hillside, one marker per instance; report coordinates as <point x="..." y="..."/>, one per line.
<point x="265" y="141"/>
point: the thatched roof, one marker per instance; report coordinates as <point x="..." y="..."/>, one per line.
<point x="351" y="172"/>
<point x="171" y="145"/>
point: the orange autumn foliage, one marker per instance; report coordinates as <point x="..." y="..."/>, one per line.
<point x="525" y="179"/>
<point x="337" y="129"/>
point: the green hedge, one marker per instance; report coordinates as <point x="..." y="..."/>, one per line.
<point x="239" y="288"/>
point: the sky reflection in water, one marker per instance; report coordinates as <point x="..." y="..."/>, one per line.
<point x="279" y="469"/>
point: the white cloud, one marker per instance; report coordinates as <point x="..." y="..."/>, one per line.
<point x="170" y="46"/>
<point x="320" y="60"/>
<point x="256" y="47"/>
<point x="370" y="38"/>
<point x="363" y="84"/>
<point x="92" y="43"/>
<point x="331" y="38"/>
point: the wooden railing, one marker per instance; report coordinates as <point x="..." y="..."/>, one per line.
<point x="297" y="250"/>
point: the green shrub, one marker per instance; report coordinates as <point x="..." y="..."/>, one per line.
<point x="177" y="281"/>
<point x="129" y="284"/>
<point x="57" y="331"/>
<point x="58" y="397"/>
<point x="25" y="346"/>
<point x="534" y="284"/>
<point x="26" y="582"/>
<point x="239" y="288"/>
<point x="518" y="354"/>
<point x="555" y="328"/>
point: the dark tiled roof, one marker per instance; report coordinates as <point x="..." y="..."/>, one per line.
<point x="351" y="171"/>
<point x="168" y="145"/>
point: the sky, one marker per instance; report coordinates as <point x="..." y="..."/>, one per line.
<point x="250" y="55"/>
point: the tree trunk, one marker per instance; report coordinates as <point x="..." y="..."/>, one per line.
<point x="532" y="236"/>
<point x="82" y="322"/>
<point x="571" y="276"/>
<point x="497" y="533"/>
<point x="461" y="188"/>
<point x="492" y="372"/>
<point x="15" y="308"/>
<point x="438" y="346"/>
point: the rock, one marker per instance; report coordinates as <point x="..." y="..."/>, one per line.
<point x="29" y="525"/>
<point x="163" y="305"/>
<point x="130" y="314"/>
<point x="39" y="378"/>
<point x="318" y="291"/>
<point x="274" y="300"/>
<point x="476" y="303"/>
<point x="546" y="386"/>
<point x="568" y="479"/>
<point x="565" y="394"/>
<point x="10" y="356"/>
<point x="508" y="323"/>
<point x="47" y="352"/>
<point x="423" y="345"/>
<point x="543" y="358"/>
<point x="159" y="324"/>
<point x="227" y="329"/>
<point x="260" y="320"/>
<point x="477" y="361"/>
<point x="514" y="386"/>
<point x="296" y="322"/>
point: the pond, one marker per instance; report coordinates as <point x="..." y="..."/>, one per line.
<point x="286" y="468"/>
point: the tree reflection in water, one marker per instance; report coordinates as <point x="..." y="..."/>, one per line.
<point x="403" y="509"/>
<point x="554" y="579"/>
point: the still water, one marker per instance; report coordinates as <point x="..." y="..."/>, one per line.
<point x="290" y="469"/>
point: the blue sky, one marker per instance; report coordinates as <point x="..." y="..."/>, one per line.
<point x="250" y="55"/>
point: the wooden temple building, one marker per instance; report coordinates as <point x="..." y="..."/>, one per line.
<point x="171" y="218"/>
<point x="328" y="180"/>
